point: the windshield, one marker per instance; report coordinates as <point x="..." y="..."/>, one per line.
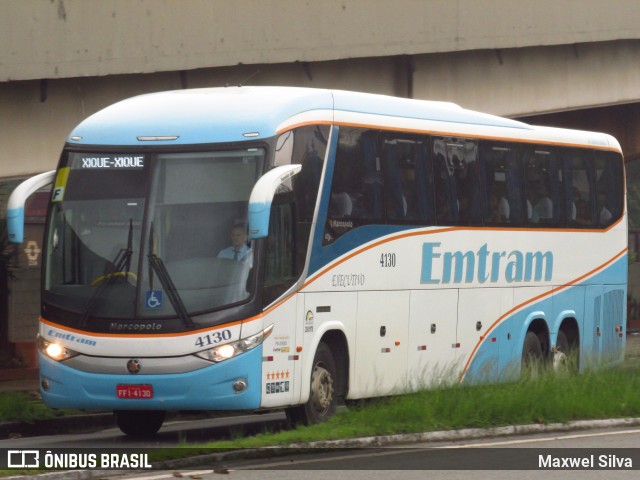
<point x="142" y="235"/>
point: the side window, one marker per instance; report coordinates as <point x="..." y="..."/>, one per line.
<point x="357" y="190"/>
<point x="306" y="146"/>
<point x="596" y="193"/>
<point x="608" y="173"/>
<point x="367" y="189"/>
<point x="502" y="185"/>
<point x="544" y="186"/>
<point x="456" y="181"/>
<point x="581" y="194"/>
<point x="408" y="186"/>
<point x="279" y="266"/>
<point x="309" y="150"/>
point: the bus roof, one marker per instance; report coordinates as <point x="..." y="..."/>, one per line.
<point x="230" y="114"/>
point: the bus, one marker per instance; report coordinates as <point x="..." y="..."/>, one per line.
<point x="255" y="248"/>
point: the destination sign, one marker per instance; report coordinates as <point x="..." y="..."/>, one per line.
<point x="107" y="162"/>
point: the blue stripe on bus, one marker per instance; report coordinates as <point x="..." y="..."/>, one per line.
<point x="596" y="300"/>
<point x="349" y="242"/>
<point x="209" y="388"/>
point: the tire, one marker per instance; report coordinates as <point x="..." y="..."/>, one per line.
<point x="531" y="353"/>
<point x="139" y="423"/>
<point x="322" y="396"/>
<point x="565" y="357"/>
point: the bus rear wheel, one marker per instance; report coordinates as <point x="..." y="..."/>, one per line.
<point x="322" y="396"/>
<point x="531" y="353"/>
<point x="139" y="423"/>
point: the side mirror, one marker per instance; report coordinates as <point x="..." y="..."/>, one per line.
<point x="17" y="199"/>
<point x="262" y="197"/>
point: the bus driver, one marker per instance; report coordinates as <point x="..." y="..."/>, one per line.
<point x="239" y="250"/>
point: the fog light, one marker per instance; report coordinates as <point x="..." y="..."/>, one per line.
<point x="239" y="386"/>
<point x="45" y="385"/>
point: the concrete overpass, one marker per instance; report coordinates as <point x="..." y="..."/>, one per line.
<point x="61" y="60"/>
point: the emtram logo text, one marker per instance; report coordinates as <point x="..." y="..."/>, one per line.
<point x="483" y="265"/>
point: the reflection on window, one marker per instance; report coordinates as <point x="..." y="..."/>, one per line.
<point x="408" y="188"/>
<point x="543" y="186"/>
<point x="388" y="178"/>
<point x="279" y="267"/>
<point x="304" y="146"/>
<point x="502" y="192"/>
<point x="456" y="181"/>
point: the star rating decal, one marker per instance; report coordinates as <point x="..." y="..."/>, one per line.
<point x="277" y="375"/>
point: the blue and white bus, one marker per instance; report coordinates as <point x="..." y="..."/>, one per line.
<point x="385" y="245"/>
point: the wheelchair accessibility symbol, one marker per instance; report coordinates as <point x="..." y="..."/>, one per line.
<point x="153" y="299"/>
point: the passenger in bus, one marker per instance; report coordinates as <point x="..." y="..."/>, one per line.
<point x="340" y="205"/>
<point x="499" y="209"/>
<point x="604" y="215"/>
<point x="580" y="210"/>
<point x="239" y="249"/>
<point x="542" y="210"/>
<point x="368" y="204"/>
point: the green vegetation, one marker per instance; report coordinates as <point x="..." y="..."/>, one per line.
<point x="23" y="407"/>
<point x="541" y="397"/>
<point x="544" y="398"/>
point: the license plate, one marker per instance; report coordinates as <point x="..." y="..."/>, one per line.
<point x="134" y="391"/>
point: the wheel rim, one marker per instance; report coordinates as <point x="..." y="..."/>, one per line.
<point x="321" y="389"/>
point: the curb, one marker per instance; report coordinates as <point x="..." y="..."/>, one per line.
<point x="400" y="439"/>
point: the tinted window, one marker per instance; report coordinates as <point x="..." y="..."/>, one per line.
<point x="306" y="146"/>
<point x="458" y="195"/>
<point x="609" y="199"/>
<point x="404" y="179"/>
<point x="407" y="178"/>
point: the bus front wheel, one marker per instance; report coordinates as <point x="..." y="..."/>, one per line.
<point x="322" y="395"/>
<point x="139" y="423"/>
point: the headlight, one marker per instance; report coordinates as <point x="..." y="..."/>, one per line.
<point x="229" y="350"/>
<point x="54" y="350"/>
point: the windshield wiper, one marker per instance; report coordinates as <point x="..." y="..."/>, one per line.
<point x="121" y="263"/>
<point x="157" y="265"/>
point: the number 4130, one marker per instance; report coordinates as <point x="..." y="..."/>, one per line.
<point x="213" y="338"/>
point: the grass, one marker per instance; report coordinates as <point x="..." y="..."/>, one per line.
<point x="544" y="398"/>
<point x="25" y="408"/>
<point x="547" y="397"/>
